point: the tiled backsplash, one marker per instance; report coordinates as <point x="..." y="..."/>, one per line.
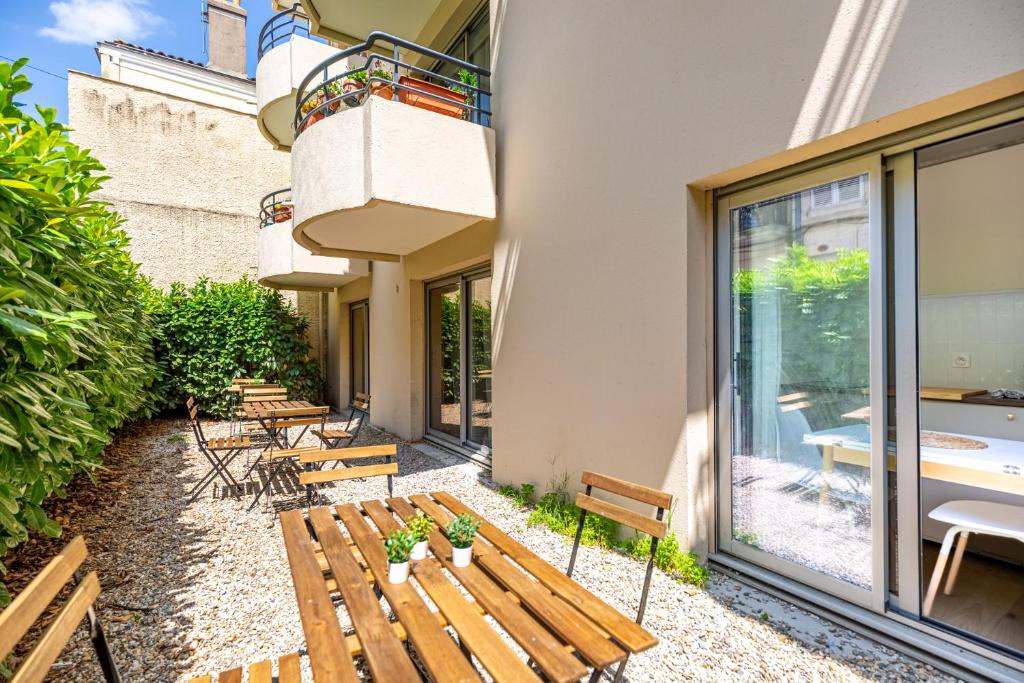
<point x="986" y="327"/>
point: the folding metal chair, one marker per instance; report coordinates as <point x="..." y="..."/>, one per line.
<point x="277" y="456"/>
<point x="333" y="438"/>
<point x="218" y="452"/>
<point x="656" y="528"/>
<point x="313" y="460"/>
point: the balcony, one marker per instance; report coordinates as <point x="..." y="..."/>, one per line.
<point x="283" y="264"/>
<point x="389" y="156"/>
<point x="286" y="52"/>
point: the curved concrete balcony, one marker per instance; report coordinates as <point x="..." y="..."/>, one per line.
<point x="283" y="264"/>
<point x="286" y="54"/>
<point x="386" y="166"/>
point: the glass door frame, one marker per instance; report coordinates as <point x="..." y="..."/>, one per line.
<point x="365" y="305"/>
<point x="871" y="166"/>
<point x="464" y="282"/>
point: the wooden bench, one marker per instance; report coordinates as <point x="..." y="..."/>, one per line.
<point x="37" y="597"/>
<point x="288" y="671"/>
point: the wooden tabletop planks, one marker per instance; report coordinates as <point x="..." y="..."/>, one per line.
<point x="626" y="631"/>
<point x="316" y="611"/>
<point x="482" y="640"/>
<point x="384" y="652"/>
<point x="550" y="654"/>
<point x="561" y="627"/>
<point x="438" y="652"/>
<point x="559" y="616"/>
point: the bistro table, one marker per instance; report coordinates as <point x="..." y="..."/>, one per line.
<point x="261" y="411"/>
<point x="563" y="628"/>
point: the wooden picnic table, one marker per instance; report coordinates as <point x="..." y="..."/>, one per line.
<point x="563" y="628"/>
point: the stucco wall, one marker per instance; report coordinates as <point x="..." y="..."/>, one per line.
<point x="188" y="176"/>
<point x="601" y="264"/>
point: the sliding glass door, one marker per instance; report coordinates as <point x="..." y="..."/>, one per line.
<point x="459" y="360"/>
<point x="359" y="344"/>
<point x="801" y="423"/>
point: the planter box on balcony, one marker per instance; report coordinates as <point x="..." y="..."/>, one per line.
<point x="431" y="103"/>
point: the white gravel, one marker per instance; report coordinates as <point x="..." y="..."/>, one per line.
<point x="206" y="587"/>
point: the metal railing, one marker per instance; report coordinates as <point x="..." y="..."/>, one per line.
<point x="281" y="27"/>
<point x="276" y="207"/>
<point x="393" y="78"/>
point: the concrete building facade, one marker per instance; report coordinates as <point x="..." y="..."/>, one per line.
<point x="595" y="206"/>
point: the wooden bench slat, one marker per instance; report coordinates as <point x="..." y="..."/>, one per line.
<point x="483" y="641"/>
<point x="316" y="611"/>
<point x="569" y="623"/>
<point x="289" y="670"/>
<point x="623" y="629"/>
<point x="17" y="618"/>
<point x="622" y="515"/>
<point x="261" y="672"/>
<point x="350" y="453"/>
<point x="331" y="433"/>
<point x="550" y="654"/>
<point x="230" y="676"/>
<point x="35" y="667"/>
<point x="205" y="678"/>
<point x="384" y="653"/>
<point x="324" y="476"/>
<point x="438" y="652"/>
<point x="627" y="489"/>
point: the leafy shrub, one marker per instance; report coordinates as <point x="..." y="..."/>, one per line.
<point x="520" y="496"/>
<point x="75" y="342"/>
<point x="556" y="511"/>
<point x="669" y="557"/>
<point x="211" y="332"/>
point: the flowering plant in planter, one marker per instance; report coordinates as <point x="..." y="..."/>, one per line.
<point x="281" y="212"/>
<point x="385" y="90"/>
<point x="398" y="546"/>
<point x="420" y="527"/>
<point x="460" y="532"/>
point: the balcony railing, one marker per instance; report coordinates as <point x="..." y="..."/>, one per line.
<point x="280" y="29"/>
<point x="276" y="207"/>
<point x="392" y="78"/>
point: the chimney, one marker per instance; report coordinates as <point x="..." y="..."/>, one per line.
<point x="226" y="41"/>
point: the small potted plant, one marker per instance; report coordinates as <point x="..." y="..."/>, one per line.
<point x="350" y="84"/>
<point x="469" y="82"/>
<point x="460" y="532"/>
<point x="398" y="546"/>
<point x="308" y="106"/>
<point x="420" y="527"/>
<point x="282" y="212"/>
<point x="381" y="89"/>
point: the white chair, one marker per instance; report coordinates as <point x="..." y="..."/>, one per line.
<point x="969" y="517"/>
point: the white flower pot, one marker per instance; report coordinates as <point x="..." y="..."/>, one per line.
<point x="461" y="557"/>
<point x="419" y="551"/>
<point x="398" y="572"/>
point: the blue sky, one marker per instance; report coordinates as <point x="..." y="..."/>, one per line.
<point x="57" y="35"/>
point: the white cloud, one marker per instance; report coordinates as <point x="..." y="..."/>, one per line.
<point x="89" y="21"/>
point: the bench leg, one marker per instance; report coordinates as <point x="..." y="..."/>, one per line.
<point x="958" y="556"/>
<point x="940" y="567"/>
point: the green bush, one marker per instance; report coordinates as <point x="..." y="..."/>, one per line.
<point x="520" y="496"/>
<point x="556" y="511"/>
<point x="211" y="332"/>
<point x="75" y="342"/>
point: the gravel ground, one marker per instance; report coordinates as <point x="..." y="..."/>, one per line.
<point x="201" y="588"/>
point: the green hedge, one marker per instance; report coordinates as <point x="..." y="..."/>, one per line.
<point x="76" y="355"/>
<point x="211" y="332"/>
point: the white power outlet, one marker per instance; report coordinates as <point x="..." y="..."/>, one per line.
<point x="961" y="360"/>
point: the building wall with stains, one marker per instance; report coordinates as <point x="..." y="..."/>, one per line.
<point x="187" y="177"/>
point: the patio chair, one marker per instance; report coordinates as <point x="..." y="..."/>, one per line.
<point x="333" y="438"/>
<point x="38" y="597"/>
<point x="279" y="454"/>
<point x="257" y="394"/>
<point x="218" y="452"/>
<point x="314" y="475"/>
<point x="656" y="528"/>
<point x="237" y="386"/>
